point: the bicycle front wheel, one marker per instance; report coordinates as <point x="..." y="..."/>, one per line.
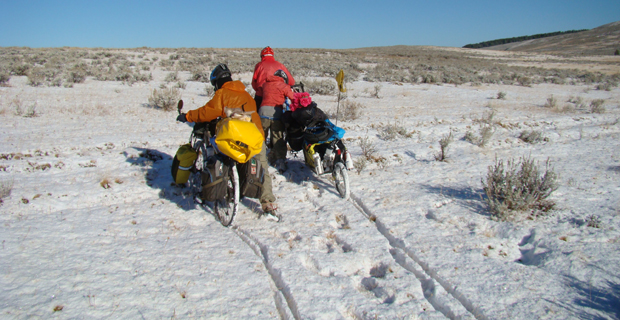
<point x="195" y="177"/>
<point x="226" y="208"/>
<point x="341" y="178"/>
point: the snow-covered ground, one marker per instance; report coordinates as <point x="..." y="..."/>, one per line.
<point x="94" y="227"/>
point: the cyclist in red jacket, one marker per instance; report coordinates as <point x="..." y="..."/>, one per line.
<point x="267" y="66"/>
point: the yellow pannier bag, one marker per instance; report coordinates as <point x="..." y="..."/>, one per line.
<point x="238" y="139"/>
<point x="308" y="153"/>
<point x="182" y="163"/>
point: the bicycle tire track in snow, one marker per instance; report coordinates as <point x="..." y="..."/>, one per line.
<point x="428" y="277"/>
<point x="282" y="290"/>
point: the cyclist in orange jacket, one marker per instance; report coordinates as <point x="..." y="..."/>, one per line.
<point x="232" y="94"/>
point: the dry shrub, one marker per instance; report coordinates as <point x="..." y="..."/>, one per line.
<point x="368" y="148"/>
<point x="551" y="103"/>
<point x="481" y="140"/>
<point x="444" y="143"/>
<point x="596" y="106"/>
<point x="533" y="136"/>
<point x="394" y="130"/>
<point x="36" y="76"/>
<point x="322" y="87"/>
<point x="165" y="99"/>
<point x="5" y="76"/>
<point x="348" y="110"/>
<point x="518" y="189"/>
<point x="360" y="164"/>
<point x="6" y="186"/>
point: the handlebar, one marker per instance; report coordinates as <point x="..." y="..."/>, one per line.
<point x="180" y="106"/>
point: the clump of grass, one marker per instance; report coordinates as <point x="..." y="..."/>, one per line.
<point x="172" y="77"/>
<point x="531" y="136"/>
<point x="444" y="143"/>
<point x="322" y="87"/>
<point x="375" y="93"/>
<point x="593" y="221"/>
<point x="36" y="76"/>
<point x="551" y="103"/>
<point x="360" y="164"/>
<point x="18" y="106"/>
<point x="578" y="102"/>
<point x="487" y="116"/>
<point x="165" y="99"/>
<point x="596" y="106"/>
<point x="5" y="76"/>
<point x="518" y="187"/>
<point x="6" y="186"/>
<point x="348" y="110"/>
<point x="31" y="111"/>
<point x="368" y="148"/>
<point x="394" y="130"/>
<point x="524" y="81"/>
<point x="501" y="95"/>
<point x="481" y="140"/>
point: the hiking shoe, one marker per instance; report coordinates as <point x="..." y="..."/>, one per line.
<point x="269" y="211"/>
<point x="281" y="165"/>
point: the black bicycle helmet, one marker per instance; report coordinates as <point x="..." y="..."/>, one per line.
<point x="280" y="73"/>
<point x="219" y="72"/>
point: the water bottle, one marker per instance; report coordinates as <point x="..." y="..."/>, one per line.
<point x="318" y="166"/>
<point x="348" y="161"/>
<point x="328" y="159"/>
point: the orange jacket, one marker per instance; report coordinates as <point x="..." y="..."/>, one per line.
<point x="232" y="94"/>
<point x="275" y="91"/>
<point x="265" y="68"/>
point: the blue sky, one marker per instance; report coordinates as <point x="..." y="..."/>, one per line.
<point x="332" y="24"/>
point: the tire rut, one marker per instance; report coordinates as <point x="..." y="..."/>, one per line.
<point x="288" y="307"/>
<point x="427" y="276"/>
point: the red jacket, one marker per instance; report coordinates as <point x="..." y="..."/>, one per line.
<point x="275" y="91"/>
<point x="232" y="94"/>
<point x="265" y="68"/>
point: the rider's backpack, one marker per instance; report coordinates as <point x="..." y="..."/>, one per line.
<point x="307" y="115"/>
<point x="214" y="180"/>
<point x="319" y="131"/>
<point x="251" y="176"/>
<point x="182" y="163"/>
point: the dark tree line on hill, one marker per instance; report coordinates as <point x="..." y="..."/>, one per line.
<point x="518" y="39"/>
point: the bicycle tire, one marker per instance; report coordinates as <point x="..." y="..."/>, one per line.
<point x="195" y="178"/>
<point x="341" y="178"/>
<point x="226" y="208"/>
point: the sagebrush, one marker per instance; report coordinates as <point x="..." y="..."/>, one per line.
<point x="165" y="99"/>
<point x="518" y="189"/>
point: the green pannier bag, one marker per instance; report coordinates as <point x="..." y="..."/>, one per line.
<point x="252" y="177"/>
<point x="182" y="163"/>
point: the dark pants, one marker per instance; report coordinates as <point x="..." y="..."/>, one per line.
<point x="259" y="100"/>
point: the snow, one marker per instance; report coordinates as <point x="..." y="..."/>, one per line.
<point x="94" y="226"/>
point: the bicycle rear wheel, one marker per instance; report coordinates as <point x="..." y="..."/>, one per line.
<point x="226" y="208"/>
<point x="341" y="178"/>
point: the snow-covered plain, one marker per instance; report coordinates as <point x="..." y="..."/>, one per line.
<point x="94" y="228"/>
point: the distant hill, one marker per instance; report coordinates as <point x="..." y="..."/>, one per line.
<point x="604" y="40"/>
<point x="497" y="42"/>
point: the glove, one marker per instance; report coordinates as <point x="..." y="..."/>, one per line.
<point x="182" y="118"/>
